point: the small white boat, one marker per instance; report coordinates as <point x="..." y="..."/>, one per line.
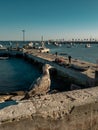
<point x="30" y="44"/>
<point x="79" y="68"/>
<point x="48" y="43"/>
<point x="57" y="44"/>
<point x="10" y="43"/>
<point x="2" y="47"/>
<point x="4" y="58"/>
<point x="44" y="49"/>
<point x="87" y="45"/>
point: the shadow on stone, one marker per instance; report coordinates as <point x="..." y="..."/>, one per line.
<point x="7" y="103"/>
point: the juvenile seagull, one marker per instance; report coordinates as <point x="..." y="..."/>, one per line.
<point x="42" y="85"/>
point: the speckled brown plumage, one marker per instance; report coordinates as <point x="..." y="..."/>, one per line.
<point x="42" y="85"/>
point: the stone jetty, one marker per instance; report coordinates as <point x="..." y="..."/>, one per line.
<point x="71" y="110"/>
<point x="86" y="77"/>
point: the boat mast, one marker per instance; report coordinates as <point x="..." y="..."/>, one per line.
<point x="42" y="42"/>
<point x="23" y="35"/>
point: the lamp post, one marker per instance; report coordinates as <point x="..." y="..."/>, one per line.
<point x="23" y="35"/>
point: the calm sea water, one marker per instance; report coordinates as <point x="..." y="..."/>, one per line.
<point x="78" y="51"/>
<point x="16" y="74"/>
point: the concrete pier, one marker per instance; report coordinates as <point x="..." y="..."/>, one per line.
<point x="85" y="78"/>
<point x="72" y="110"/>
<point x="82" y="78"/>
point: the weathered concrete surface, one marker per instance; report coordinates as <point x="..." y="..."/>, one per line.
<point x="83" y="78"/>
<point x="74" y="110"/>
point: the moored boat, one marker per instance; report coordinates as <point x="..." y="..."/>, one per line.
<point x="4" y="58"/>
<point x="79" y="68"/>
<point x="87" y="45"/>
<point x="30" y="44"/>
<point x="44" y="49"/>
<point x="2" y="47"/>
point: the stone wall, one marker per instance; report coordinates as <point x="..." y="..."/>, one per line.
<point x="74" y="110"/>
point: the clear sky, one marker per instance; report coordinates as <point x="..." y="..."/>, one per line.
<point x="52" y="19"/>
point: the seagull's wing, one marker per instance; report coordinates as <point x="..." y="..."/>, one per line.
<point x="34" y="84"/>
<point x="41" y="85"/>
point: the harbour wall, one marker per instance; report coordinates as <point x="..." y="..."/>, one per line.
<point x="72" y="110"/>
<point x="77" y="110"/>
<point x="72" y="75"/>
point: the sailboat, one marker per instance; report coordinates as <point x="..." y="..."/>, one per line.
<point x="42" y="48"/>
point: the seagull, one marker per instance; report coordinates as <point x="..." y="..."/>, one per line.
<point x="42" y="85"/>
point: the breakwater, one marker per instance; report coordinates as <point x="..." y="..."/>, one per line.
<point x="75" y="110"/>
<point x="82" y="78"/>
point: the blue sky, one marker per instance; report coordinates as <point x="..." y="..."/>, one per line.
<point x="54" y="19"/>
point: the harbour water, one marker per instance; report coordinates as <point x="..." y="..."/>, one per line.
<point x="16" y="75"/>
<point x="77" y="51"/>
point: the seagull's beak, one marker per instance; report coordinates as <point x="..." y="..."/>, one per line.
<point x="49" y="66"/>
